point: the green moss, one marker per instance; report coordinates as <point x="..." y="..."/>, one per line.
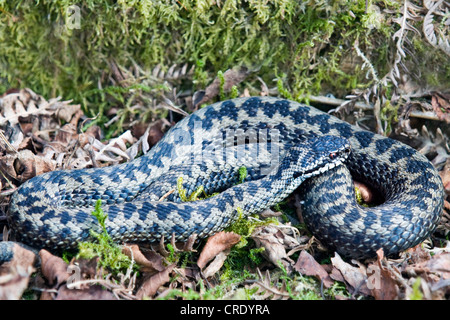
<point x="110" y="254"/>
<point x="416" y="294"/>
<point x="388" y="115"/>
<point x="221" y="85"/>
<point x="242" y="174"/>
<point x="234" y="92"/>
<point x="244" y="254"/>
<point x="430" y="65"/>
<point x="305" y="40"/>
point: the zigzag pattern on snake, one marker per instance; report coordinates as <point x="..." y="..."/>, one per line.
<point x="207" y="148"/>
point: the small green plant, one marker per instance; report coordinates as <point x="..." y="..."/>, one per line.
<point x="337" y="289"/>
<point x="194" y="196"/>
<point x="234" y="92"/>
<point x="282" y="90"/>
<point x="199" y="193"/>
<point x="416" y="294"/>
<point x="109" y="253"/>
<point x="222" y="85"/>
<point x="242" y="174"/>
<point x="388" y="114"/>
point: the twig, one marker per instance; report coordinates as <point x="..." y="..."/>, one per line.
<point x="430" y="115"/>
<point x="2" y="136"/>
<point x="166" y="195"/>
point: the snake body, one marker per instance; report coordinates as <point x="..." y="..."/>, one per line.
<point x="53" y="210"/>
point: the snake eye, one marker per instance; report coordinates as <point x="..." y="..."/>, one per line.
<point x="333" y="155"/>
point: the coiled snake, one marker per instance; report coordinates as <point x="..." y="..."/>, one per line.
<point x="267" y="136"/>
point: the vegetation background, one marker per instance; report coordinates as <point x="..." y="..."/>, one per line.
<point x="72" y="49"/>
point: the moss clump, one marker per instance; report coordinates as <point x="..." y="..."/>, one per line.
<point x="110" y="254"/>
<point x="68" y="47"/>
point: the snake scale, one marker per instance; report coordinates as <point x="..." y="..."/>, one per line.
<point x="266" y="135"/>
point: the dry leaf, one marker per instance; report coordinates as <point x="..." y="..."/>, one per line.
<point x="275" y="244"/>
<point x="25" y="165"/>
<point x="307" y="265"/>
<point x="232" y="77"/>
<point x="149" y="138"/>
<point x="336" y="275"/>
<point x="54" y="269"/>
<point x="438" y="264"/>
<point x="445" y="176"/>
<point x="16" y="270"/>
<point x="23" y="104"/>
<point x="65" y="136"/>
<point x="152" y="284"/>
<point x="355" y="278"/>
<point x="14" y="283"/>
<point x="217" y="243"/>
<point x="381" y="280"/>
<point x="441" y="106"/>
<point x="115" y="150"/>
<point x="418" y="254"/>
<point x="149" y="261"/>
<point x="436" y="39"/>
<point x="14" y="255"/>
<point x="66" y="111"/>
<point x="216" y="264"/>
<point x="93" y="292"/>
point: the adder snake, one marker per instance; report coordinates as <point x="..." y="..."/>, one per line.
<point x="206" y="149"/>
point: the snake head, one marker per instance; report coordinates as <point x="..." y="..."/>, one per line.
<point x="318" y="155"/>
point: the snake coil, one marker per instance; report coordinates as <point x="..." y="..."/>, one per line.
<point x="53" y="210"/>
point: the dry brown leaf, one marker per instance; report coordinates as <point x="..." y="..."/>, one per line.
<point x="232" y="77"/>
<point x="336" y="275"/>
<point x="381" y="280"/>
<point x="18" y="256"/>
<point x="149" y="261"/>
<point x="26" y="114"/>
<point x="54" y="269"/>
<point x="275" y="244"/>
<point x="148" y="138"/>
<point x="217" y="243"/>
<point x="355" y="278"/>
<point x="14" y="283"/>
<point x="23" y="104"/>
<point x="25" y="165"/>
<point x="439" y="264"/>
<point x="216" y="264"/>
<point x="87" y="268"/>
<point x="66" y="111"/>
<point x="152" y="284"/>
<point x="418" y="254"/>
<point x="307" y="265"/>
<point x="445" y="176"/>
<point x="16" y="270"/>
<point x="269" y="213"/>
<point x="65" y="136"/>
<point x="93" y="292"/>
<point x="441" y="106"/>
<point x="157" y="131"/>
